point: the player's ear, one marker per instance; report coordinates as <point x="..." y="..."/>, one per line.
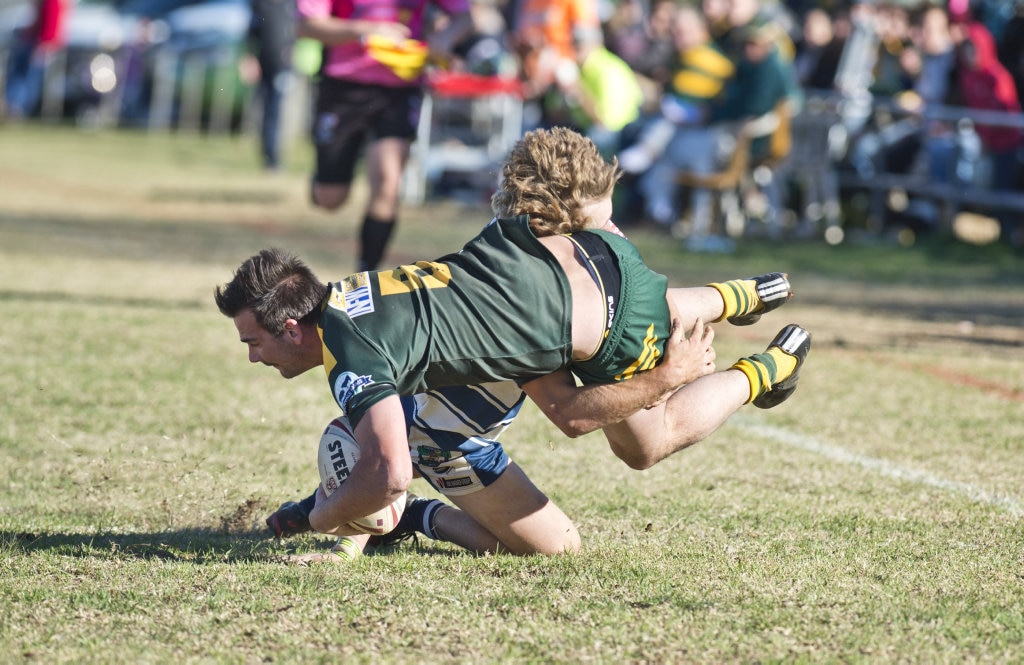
<point x="293" y="331"/>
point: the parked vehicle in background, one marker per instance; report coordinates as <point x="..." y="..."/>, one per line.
<point x="158" y="64"/>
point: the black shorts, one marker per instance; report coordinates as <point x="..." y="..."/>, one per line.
<point x="350" y="114"/>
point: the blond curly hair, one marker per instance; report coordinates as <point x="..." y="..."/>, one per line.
<point x="550" y="174"/>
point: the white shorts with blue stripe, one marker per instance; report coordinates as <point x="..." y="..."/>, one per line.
<point x="453" y="434"/>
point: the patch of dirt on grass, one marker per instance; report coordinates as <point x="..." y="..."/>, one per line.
<point x="247" y="517"/>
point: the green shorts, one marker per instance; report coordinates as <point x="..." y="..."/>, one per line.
<point x="635" y="339"/>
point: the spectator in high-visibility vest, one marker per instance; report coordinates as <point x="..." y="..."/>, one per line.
<point x="544" y="34"/>
<point x="604" y="98"/>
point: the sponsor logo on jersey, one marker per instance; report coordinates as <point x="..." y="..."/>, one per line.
<point x="449" y="483"/>
<point x="348" y="385"/>
<point x="356" y="295"/>
<point x="429" y="456"/>
<point x="336" y="300"/>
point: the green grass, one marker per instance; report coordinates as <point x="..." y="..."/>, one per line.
<point x="875" y="517"/>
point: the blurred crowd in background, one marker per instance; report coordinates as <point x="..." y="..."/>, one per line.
<point x="730" y="118"/>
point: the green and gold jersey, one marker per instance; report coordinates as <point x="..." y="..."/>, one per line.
<point x="498" y="309"/>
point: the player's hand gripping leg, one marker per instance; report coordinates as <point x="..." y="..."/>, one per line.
<point x="687" y="356"/>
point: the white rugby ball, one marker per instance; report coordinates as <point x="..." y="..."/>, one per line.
<point x="337" y="455"/>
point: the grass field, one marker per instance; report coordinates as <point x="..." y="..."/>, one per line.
<point x="874" y="517"/>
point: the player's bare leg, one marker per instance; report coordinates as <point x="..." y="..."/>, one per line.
<point x="699" y="408"/>
<point x="510" y="515"/>
<point x="692" y="303"/>
<point x="385" y="161"/>
<point x="690" y="415"/>
<point x="329" y="196"/>
<point x="739" y="301"/>
<point x="520" y="517"/>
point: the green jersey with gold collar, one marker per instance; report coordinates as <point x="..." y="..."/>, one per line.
<point x="499" y="309"/>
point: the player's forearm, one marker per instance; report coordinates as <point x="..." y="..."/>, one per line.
<point x="332" y="31"/>
<point x="597" y="406"/>
<point x="364" y="493"/>
<point x="579" y="410"/>
<point x="383" y="472"/>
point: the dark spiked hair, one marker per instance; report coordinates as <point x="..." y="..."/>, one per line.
<point x="276" y="286"/>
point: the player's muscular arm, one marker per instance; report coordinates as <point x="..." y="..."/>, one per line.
<point x="383" y="472"/>
<point x="578" y="410"/>
<point x="331" y="31"/>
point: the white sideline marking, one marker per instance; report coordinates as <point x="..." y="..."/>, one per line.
<point x="882" y="466"/>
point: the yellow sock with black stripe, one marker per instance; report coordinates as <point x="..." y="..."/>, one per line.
<point x="763" y="370"/>
<point x="740" y="297"/>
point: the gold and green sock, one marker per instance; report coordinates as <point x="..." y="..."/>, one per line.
<point x="763" y="370"/>
<point x="740" y="297"/>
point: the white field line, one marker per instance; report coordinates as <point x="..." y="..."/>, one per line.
<point x="884" y="467"/>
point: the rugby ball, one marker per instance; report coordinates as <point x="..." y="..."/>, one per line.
<point x="337" y="455"/>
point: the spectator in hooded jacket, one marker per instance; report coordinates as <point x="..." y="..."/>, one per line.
<point x="985" y="85"/>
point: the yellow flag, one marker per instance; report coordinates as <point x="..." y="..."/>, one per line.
<point x="405" y="58"/>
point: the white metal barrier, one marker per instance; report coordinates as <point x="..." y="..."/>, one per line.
<point x="822" y="139"/>
<point x="492" y="114"/>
